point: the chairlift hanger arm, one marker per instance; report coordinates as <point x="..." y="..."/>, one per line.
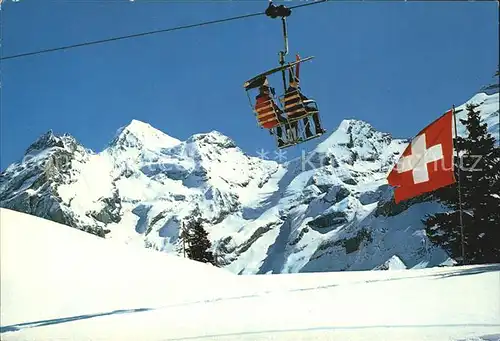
<point x="285" y="36"/>
<point x="283" y="12"/>
<point x="285" y="52"/>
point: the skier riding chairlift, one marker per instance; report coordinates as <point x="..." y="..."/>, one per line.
<point x="269" y="115"/>
<point x="297" y="106"/>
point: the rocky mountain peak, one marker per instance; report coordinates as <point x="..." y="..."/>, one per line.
<point x="141" y="135"/>
<point x="50" y="140"/>
<point x="213" y="138"/>
<point x="356" y="140"/>
<point x="355" y="133"/>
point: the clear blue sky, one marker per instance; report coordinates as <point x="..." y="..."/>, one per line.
<point x="397" y="65"/>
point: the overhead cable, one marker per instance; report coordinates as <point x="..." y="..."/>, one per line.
<point x="178" y="28"/>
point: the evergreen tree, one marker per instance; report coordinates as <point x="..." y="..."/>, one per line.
<point x="196" y="243"/>
<point x="479" y="164"/>
<point x="184" y="238"/>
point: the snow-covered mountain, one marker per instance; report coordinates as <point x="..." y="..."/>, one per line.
<point x="331" y="210"/>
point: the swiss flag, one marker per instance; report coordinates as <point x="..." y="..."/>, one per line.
<point x="427" y="162"/>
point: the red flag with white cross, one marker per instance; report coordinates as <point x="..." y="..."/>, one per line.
<point x="427" y="162"/>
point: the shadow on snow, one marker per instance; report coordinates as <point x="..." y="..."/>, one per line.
<point x="472" y="271"/>
<point x="461" y="272"/>
<point x="42" y="323"/>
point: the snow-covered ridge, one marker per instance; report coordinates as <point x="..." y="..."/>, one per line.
<point x="329" y="211"/>
<point x="489" y="107"/>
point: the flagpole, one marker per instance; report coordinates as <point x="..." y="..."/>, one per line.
<point x="459" y="187"/>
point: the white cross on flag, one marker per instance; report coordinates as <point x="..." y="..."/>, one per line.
<point x="427" y="163"/>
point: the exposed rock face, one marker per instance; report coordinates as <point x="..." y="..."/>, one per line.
<point x="32" y="185"/>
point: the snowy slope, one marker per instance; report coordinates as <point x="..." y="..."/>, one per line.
<point x="63" y="284"/>
<point x="331" y="210"/>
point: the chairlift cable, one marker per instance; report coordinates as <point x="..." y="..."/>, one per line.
<point x="178" y="28"/>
